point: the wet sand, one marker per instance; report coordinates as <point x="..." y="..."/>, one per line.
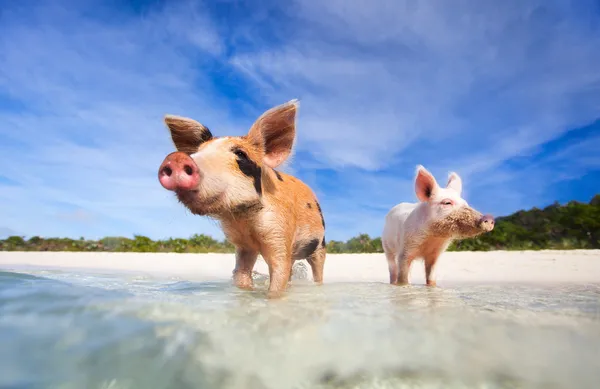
<point x="550" y="266"/>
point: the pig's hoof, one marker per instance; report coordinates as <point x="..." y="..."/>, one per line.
<point x="432" y="283"/>
<point x="274" y="294"/>
<point x="245" y="286"/>
<point x="243" y="283"/>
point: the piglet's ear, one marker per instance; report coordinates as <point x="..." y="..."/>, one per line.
<point x="425" y="184"/>
<point x="274" y="133"/>
<point x="454" y="182"/>
<point x="187" y="134"/>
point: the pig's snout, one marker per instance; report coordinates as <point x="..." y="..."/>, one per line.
<point x="487" y="222"/>
<point x="179" y="172"/>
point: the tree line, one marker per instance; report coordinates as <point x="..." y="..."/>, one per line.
<point x="575" y="225"/>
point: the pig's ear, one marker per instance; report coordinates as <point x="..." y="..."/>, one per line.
<point x="187" y="134"/>
<point x="274" y="133"/>
<point x="425" y="184"/>
<point x="454" y="182"/>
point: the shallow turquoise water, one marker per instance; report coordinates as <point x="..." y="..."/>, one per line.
<point x="78" y="330"/>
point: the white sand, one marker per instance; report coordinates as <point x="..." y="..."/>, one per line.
<point x="578" y="266"/>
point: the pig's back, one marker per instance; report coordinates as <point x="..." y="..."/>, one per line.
<point x="303" y="206"/>
<point x="308" y="206"/>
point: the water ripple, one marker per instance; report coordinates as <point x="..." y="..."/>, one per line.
<point x="77" y="330"/>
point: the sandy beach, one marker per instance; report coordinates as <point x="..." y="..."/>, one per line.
<point x="576" y="266"/>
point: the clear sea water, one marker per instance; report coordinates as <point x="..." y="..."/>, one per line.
<point x="90" y="330"/>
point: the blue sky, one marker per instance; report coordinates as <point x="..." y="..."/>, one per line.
<point x="505" y="93"/>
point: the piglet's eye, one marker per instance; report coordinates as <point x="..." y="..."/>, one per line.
<point x="447" y="202"/>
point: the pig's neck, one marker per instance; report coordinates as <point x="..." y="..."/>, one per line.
<point x="424" y="239"/>
<point x="428" y="229"/>
<point x="240" y="230"/>
<point x="251" y="224"/>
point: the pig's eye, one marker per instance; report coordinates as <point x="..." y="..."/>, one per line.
<point x="447" y="202"/>
<point x="240" y="154"/>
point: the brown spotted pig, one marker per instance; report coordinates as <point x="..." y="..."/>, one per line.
<point x="261" y="210"/>
<point x="426" y="229"/>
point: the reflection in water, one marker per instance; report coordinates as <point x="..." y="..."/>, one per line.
<point x="68" y="330"/>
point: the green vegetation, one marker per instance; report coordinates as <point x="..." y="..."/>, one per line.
<point x="572" y="226"/>
<point x="139" y="244"/>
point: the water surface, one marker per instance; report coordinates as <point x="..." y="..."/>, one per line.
<point x="90" y="330"/>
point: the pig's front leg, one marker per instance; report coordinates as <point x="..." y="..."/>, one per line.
<point x="280" y="269"/>
<point x="404" y="262"/>
<point x="430" y="262"/>
<point x="245" y="260"/>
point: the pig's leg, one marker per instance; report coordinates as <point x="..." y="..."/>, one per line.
<point x="244" y="264"/>
<point x="392" y="266"/>
<point x="280" y="269"/>
<point x="290" y="279"/>
<point x="317" y="263"/>
<point x="404" y="261"/>
<point x="279" y="274"/>
<point x="430" y="262"/>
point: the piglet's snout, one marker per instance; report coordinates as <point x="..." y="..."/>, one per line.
<point x="487" y="222"/>
<point x="179" y="172"/>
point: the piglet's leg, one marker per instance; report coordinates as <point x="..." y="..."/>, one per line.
<point x="244" y="264"/>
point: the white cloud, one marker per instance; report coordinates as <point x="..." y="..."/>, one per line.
<point x="481" y="80"/>
<point x="384" y="85"/>
<point x="93" y="137"/>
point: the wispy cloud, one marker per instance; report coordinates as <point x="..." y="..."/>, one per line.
<point x="91" y="135"/>
<point x="470" y="86"/>
<point x="467" y="84"/>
